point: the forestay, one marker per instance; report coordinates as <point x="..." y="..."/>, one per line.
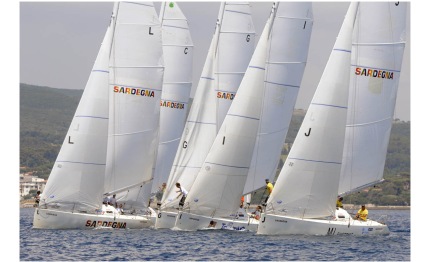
<point x="308" y="182"/>
<point x="377" y="55"/>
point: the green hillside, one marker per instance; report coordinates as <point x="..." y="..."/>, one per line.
<point x="46" y="113"/>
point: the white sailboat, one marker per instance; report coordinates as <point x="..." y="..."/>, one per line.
<point x="109" y="148"/>
<point x="228" y="57"/>
<point x="304" y="197"/>
<point x="217" y="190"/>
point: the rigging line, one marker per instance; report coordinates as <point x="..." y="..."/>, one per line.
<point x="370" y="123"/>
<point x="170" y="141"/>
<point x="110" y="181"/>
<point x="352" y="98"/>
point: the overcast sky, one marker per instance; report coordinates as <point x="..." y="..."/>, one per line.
<point x="59" y="42"/>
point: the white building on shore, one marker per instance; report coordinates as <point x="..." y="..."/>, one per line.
<point x="28" y="182"/>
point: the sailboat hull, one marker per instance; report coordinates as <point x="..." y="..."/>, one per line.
<point x="191" y="222"/>
<point x="165" y="219"/>
<point x="284" y="225"/>
<point x="56" y="219"/>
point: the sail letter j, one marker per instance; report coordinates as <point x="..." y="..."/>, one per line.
<point x="309" y="132"/>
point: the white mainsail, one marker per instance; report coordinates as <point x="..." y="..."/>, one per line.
<point x="377" y="54"/>
<point x="178" y="60"/>
<point x="218" y="72"/>
<point x="218" y="187"/>
<point x="77" y="177"/>
<point x="308" y="182"/>
<point x="135" y="83"/>
<point x="290" y="38"/>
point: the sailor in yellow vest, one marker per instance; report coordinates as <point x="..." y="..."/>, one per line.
<point x="362" y="213"/>
<point x="269" y="188"/>
<point x="339" y="202"/>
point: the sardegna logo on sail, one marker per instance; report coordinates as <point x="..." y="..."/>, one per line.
<point x="134" y="91"/>
<point x="377" y="73"/>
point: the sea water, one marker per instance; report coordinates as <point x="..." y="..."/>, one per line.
<point x="165" y="244"/>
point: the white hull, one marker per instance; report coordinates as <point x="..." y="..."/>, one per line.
<point x="165" y="219"/>
<point x="191" y="222"/>
<point x="56" y="219"/>
<point x="284" y="225"/>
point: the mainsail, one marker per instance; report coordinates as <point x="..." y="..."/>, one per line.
<point x="308" y="182"/>
<point x="135" y="83"/>
<point x="178" y="61"/>
<point x="289" y="45"/>
<point x="377" y="54"/>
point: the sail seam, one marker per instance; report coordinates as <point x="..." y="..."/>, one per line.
<point x="342" y="50"/>
<point x="239" y="12"/>
<point x="257" y="67"/>
<point x="317" y="104"/>
<point x="175" y="26"/>
<point x="317" y="161"/>
<point x="135" y="3"/>
<point x="229" y="166"/>
<point x="101" y="71"/>
<point x="133" y="133"/>
<point x="187" y="166"/>
<point x="167" y="142"/>
<point x="378" y="44"/>
<point x="197" y="122"/>
<point x="297" y="18"/>
<point x="208" y="78"/>
<point x="253" y="118"/>
<point x="280" y="84"/>
<point x="370" y="123"/>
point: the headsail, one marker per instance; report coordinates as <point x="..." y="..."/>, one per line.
<point x="77" y="177"/>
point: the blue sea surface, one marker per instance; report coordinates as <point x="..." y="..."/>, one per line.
<point x="220" y="245"/>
